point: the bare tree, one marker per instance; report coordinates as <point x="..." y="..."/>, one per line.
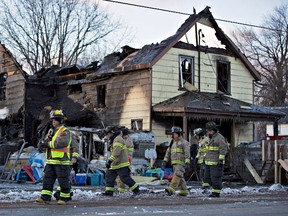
<point x="47" y="32"/>
<point x="268" y="51"/>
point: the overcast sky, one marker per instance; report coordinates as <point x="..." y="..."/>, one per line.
<point x="152" y="26"/>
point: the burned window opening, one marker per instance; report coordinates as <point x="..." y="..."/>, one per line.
<point x="3" y="78"/>
<point x="137" y="124"/>
<point x="223" y="77"/>
<point x="75" y="89"/>
<point x="101" y="94"/>
<point x="186" y="71"/>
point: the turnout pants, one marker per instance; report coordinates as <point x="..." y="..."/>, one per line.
<point x="213" y="176"/>
<point x="51" y="173"/>
<point x="178" y="180"/>
<point x="124" y="175"/>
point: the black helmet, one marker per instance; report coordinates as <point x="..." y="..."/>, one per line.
<point x="176" y="129"/>
<point x="198" y="131"/>
<point x="125" y="131"/>
<point x="211" y="126"/>
<point x="110" y="129"/>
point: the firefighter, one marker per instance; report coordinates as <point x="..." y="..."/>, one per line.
<point x="179" y="154"/>
<point x="203" y="141"/>
<point x="130" y="148"/>
<point x="60" y="146"/>
<point x="111" y="133"/>
<point x="214" y="159"/>
<point x="118" y="165"/>
<point x="79" y="164"/>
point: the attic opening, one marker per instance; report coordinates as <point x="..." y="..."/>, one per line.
<point x="223" y="77"/>
<point x="186" y="71"/>
<point x="101" y="94"/>
<point x="3" y="78"/>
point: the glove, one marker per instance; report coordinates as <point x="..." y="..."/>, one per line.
<point x="220" y="162"/>
<point x="163" y="165"/>
<point x="108" y="164"/>
<point x="187" y="166"/>
<point x="43" y="144"/>
<point x="50" y="134"/>
<point x="74" y="160"/>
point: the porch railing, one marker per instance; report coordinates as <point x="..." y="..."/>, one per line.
<point x="275" y="152"/>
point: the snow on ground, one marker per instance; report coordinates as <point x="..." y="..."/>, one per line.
<point x="26" y="192"/>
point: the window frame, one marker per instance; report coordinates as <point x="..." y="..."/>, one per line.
<point x="3" y="83"/>
<point x="225" y="79"/>
<point x="139" y="123"/>
<point x="101" y="96"/>
<point x="191" y="60"/>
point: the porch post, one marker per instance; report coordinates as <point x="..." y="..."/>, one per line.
<point x="185" y="130"/>
<point x="275" y="130"/>
<point x="276" y="180"/>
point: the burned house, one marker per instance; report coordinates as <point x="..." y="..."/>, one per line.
<point x="181" y="81"/>
<point x="58" y="88"/>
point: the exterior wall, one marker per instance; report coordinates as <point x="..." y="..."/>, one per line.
<point x="243" y="133"/>
<point x="241" y="79"/>
<point x="159" y="129"/>
<point x="127" y="97"/>
<point x="165" y="76"/>
<point x="15" y="83"/>
<point x="15" y="92"/>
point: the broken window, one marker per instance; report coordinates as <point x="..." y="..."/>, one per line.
<point x="73" y="89"/>
<point x="186" y="71"/>
<point x="223" y="77"/>
<point x="137" y="124"/>
<point x="101" y="94"/>
<point x="3" y="78"/>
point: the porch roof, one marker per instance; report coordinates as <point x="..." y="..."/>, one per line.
<point x="199" y="105"/>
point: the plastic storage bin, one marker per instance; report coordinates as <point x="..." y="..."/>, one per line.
<point x="21" y="175"/>
<point x="93" y="179"/>
<point x="81" y="178"/>
<point x="101" y="177"/>
<point x="155" y="173"/>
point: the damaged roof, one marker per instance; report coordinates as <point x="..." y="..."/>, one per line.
<point x="212" y="105"/>
<point x="24" y="74"/>
<point x="283" y="109"/>
<point x="146" y="57"/>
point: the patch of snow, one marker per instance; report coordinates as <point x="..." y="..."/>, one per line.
<point x="31" y="192"/>
<point x="276" y="187"/>
<point x="4" y="113"/>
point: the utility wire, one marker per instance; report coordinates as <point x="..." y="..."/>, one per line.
<point x="182" y="13"/>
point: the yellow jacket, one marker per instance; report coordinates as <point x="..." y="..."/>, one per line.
<point x="62" y="147"/>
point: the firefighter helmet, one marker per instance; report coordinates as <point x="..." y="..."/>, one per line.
<point x="110" y="129"/>
<point x="125" y="132"/>
<point x="198" y="131"/>
<point x="211" y="126"/>
<point x="176" y="129"/>
<point x="57" y="114"/>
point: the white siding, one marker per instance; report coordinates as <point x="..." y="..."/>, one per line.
<point x="165" y="76"/>
<point x="243" y="133"/>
